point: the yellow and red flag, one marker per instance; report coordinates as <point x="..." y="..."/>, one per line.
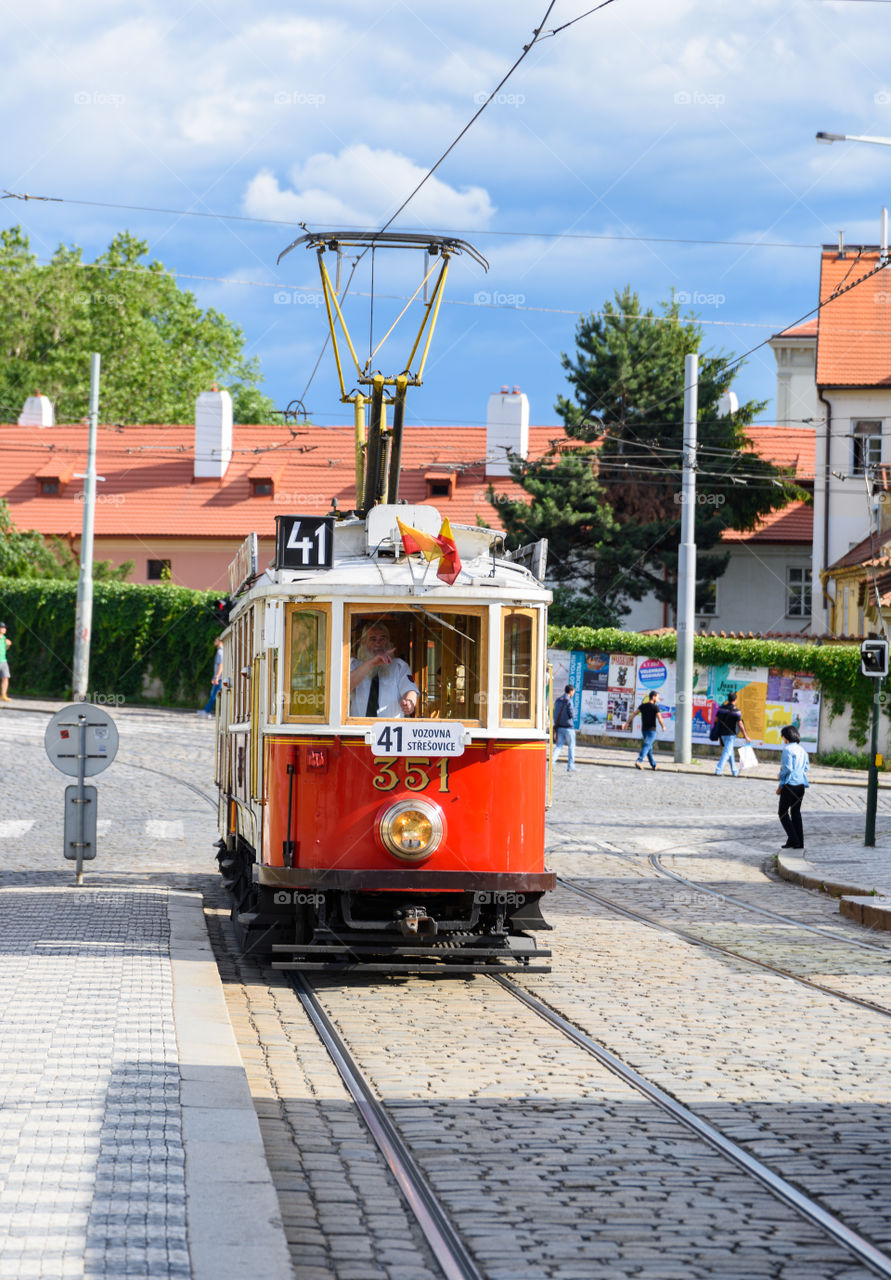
<point x="441" y="547"/>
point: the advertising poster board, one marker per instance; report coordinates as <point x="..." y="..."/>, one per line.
<point x="703" y="706"/>
<point x="620" y="693"/>
<point x="792" y="698"/>
<point x="658" y="675"/>
<point x="591" y="678"/>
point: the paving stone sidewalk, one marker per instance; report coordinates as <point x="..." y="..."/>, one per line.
<point x="129" y="1129"/>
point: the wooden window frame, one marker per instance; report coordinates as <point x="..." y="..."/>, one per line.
<point x="530" y="722"/>
<point x="448" y="611"/>
<point x="308" y="606"/>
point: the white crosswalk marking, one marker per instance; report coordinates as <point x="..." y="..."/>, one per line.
<point x="158" y="829"/>
<point x="12" y="827"/>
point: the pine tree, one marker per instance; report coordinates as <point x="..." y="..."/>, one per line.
<point x="609" y="499"/>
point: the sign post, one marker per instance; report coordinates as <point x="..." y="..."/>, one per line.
<point x="81" y="741"/>
<point x="873" y="663"/>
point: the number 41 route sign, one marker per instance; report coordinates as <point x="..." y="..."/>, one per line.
<point x="304" y="542"/>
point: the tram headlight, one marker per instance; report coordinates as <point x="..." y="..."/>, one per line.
<point x="412" y="829"/>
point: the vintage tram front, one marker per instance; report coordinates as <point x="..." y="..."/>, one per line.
<point x="386" y="842"/>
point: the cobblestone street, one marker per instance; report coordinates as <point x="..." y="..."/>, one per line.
<point x="550" y="1166"/>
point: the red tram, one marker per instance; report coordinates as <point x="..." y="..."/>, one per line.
<point x="382" y="733"/>
<point x="357" y="839"/>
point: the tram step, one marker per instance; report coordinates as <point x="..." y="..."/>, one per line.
<point x="418" y="970"/>
<point x="359" y="948"/>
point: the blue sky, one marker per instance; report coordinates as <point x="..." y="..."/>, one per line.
<point x="644" y="123"/>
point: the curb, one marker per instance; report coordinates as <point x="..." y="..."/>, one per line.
<point x="226" y="1161"/>
<point x="800" y="871"/>
<point x="872" y="912"/>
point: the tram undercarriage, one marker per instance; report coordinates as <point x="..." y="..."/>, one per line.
<point x="366" y="921"/>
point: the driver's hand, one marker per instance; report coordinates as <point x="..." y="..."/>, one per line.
<point x="408" y="702"/>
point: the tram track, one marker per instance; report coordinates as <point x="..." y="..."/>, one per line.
<point x="443" y="1237"/>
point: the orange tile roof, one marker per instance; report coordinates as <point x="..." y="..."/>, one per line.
<point x="786" y="447"/>
<point x="806" y="330"/>
<point x="149" y="491"/>
<point x="873" y="549"/>
<point x="854" y="337"/>
<point x="794" y="523"/>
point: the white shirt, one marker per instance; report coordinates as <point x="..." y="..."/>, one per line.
<point x="394" y="682"/>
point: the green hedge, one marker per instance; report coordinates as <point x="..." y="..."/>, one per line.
<point x="836" y="666"/>
<point x="160" y="632"/>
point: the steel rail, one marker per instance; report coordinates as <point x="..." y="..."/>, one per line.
<point x="810" y="1209"/>
<point x="447" y="1247"/>
<point x="724" y="951"/>
<point x="655" y="862"/>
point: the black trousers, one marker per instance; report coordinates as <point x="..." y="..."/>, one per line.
<point x="790" y="814"/>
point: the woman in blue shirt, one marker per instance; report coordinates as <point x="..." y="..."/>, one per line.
<point x="793" y="781"/>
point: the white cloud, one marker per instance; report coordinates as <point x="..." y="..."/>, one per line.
<point x="363" y="186"/>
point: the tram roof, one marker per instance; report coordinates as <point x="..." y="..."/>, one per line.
<point x="383" y="569"/>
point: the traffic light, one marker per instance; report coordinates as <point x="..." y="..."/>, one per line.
<point x="874" y="658"/>
<point x="221" y="611"/>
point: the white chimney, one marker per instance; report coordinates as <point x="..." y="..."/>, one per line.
<point x="213" y="434"/>
<point x="38" y="412"/>
<point x="507" y="428"/>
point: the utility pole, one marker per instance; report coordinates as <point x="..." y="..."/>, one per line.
<point x="686" y="604"/>
<point x="83" y="624"/>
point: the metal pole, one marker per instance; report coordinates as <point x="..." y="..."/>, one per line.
<point x="686" y="603"/>
<point x="872" y="787"/>
<point x="81" y="798"/>
<point x="83" y="621"/>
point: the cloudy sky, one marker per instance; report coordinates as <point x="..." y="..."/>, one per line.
<point x="621" y="150"/>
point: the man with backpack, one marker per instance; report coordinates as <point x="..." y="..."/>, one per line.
<point x="564" y="723"/>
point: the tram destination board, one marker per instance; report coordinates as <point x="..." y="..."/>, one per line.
<point x="304" y="542"/>
<point x="406" y="738"/>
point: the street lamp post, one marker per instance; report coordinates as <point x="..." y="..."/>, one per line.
<point x="852" y="137"/>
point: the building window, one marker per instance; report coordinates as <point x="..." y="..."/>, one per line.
<point x="261" y="488"/>
<point x="707" y="599"/>
<point x="866" y="449"/>
<point x="798" y="593"/>
<point x="48" y="488"/>
<point x="158" y="571"/>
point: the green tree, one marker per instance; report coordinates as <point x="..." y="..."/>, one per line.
<point x="610" y="503"/>
<point x="158" y="348"/>
<point x="25" y="554"/>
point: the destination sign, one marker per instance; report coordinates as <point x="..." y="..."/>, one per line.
<point x="416" y="738"/>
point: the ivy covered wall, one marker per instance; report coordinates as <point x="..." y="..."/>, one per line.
<point x="836" y="666"/>
<point x="140" y="634"/>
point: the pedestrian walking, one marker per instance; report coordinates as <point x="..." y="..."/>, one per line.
<point x="650" y="717"/>
<point x="564" y="723"/>
<point x="727" y="728"/>
<point x="216" y="684"/>
<point x="5" y="646"/>
<point x="793" y="783"/>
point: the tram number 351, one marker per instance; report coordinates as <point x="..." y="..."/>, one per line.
<point x="419" y="772"/>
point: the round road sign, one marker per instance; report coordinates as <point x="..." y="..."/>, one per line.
<point x="64" y="735"/>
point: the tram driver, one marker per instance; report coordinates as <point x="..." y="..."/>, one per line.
<point x="380" y="683"/>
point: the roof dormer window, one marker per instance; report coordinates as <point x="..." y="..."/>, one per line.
<point x="263" y="479"/>
<point x="52" y="478"/>
<point x="440" y="484"/>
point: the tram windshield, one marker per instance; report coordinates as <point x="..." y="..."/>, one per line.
<point x="428" y="663"/>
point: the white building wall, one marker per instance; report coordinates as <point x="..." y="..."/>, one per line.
<point x="796" y="390"/>
<point x="751" y="595"/>
<point x="849" y="507"/>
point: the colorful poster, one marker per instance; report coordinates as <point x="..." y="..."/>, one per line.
<point x="620" y="693"/>
<point x="703" y="705"/>
<point x="655" y="675"/>
<point x="793" y="698"/>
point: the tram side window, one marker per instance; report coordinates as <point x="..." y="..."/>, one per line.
<point x="517" y="667"/>
<point x="307" y="664"/>
<point x="436" y="657"/>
